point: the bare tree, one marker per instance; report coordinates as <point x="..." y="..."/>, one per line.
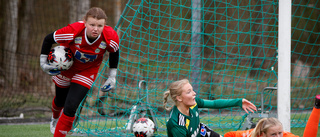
<point x="78" y="9"/>
<point x="24" y="26"/>
<point x="117" y="14"/>
<point x="117" y="11"/>
<point x="11" y="40"/>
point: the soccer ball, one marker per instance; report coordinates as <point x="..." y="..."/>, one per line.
<point x="143" y="127"/>
<point x="60" y="57"/>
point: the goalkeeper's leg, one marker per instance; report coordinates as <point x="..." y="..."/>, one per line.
<point x="311" y="129"/>
<point x="55" y="116"/>
<point x="58" y="101"/>
<point x="57" y="105"/>
<point x="75" y="95"/>
<point x="55" y="109"/>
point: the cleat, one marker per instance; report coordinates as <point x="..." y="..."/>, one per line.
<point x="317" y="102"/>
<point x="53" y="124"/>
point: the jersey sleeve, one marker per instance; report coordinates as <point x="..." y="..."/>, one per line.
<point x="221" y="103"/>
<point x="111" y="38"/>
<point x="67" y="33"/>
<point x="200" y="102"/>
<point x="47" y="44"/>
<point x="114" y="59"/>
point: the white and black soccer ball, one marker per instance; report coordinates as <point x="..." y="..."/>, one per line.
<point x="143" y="127"/>
<point x="60" y="57"/>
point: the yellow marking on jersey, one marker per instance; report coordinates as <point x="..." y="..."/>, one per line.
<point x="187" y="123"/>
<point x="193" y="106"/>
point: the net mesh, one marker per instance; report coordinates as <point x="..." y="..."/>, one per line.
<point x="226" y="48"/>
<point x="229" y="50"/>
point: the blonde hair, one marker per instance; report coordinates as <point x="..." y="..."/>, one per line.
<point x="96" y="13"/>
<point x="263" y="125"/>
<point x="174" y="90"/>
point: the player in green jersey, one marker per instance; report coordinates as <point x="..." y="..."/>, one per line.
<point x="184" y="117"/>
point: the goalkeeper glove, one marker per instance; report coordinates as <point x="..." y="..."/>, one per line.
<point x="51" y="70"/>
<point x="111" y="81"/>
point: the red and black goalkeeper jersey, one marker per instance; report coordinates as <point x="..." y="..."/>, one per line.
<point x="87" y="54"/>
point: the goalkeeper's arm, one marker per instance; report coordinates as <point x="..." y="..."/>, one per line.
<point x="113" y="63"/>
<point x="47" y="44"/>
<point x="46" y="47"/>
<point x="114" y="59"/>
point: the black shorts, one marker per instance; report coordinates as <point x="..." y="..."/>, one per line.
<point x="207" y="132"/>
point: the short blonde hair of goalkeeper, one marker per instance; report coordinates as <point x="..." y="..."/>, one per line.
<point x="174" y="90"/>
<point x="265" y="127"/>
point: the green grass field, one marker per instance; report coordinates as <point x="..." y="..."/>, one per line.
<point x="42" y="130"/>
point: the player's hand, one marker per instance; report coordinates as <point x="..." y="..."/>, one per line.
<point x="247" y="105"/>
<point x="111" y="81"/>
<point x="51" y="70"/>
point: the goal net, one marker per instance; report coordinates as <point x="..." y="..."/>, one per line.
<point x="226" y="48"/>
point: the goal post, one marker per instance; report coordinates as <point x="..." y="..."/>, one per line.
<point x="284" y="64"/>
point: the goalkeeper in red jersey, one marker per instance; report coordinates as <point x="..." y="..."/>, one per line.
<point x="88" y="40"/>
<point x="272" y="127"/>
<point x="184" y="117"/>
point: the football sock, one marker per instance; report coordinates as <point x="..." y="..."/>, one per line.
<point x="55" y="110"/>
<point x="64" y="125"/>
<point x="311" y="129"/>
<point x="317" y="102"/>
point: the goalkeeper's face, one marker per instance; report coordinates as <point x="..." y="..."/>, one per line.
<point x="187" y="97"/>
<point x="94" y="27"/>
<point x="275" y="131"/>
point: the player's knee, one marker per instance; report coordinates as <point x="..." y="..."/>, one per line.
<point x="59" y="103"/>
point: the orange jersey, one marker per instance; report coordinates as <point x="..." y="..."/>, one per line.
<point x="247" y="133"/>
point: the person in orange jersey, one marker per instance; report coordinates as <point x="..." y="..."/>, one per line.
<point x="272" y="127"/>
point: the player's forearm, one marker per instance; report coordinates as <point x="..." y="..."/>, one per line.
<point x="222" y="103"/>
<point x="47" y="44"/>
<point x="114" y="59"/>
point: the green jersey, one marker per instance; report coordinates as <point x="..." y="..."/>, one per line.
<point x="180" y="125"/>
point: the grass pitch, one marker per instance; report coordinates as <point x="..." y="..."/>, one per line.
<point x="43" y="130"/>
